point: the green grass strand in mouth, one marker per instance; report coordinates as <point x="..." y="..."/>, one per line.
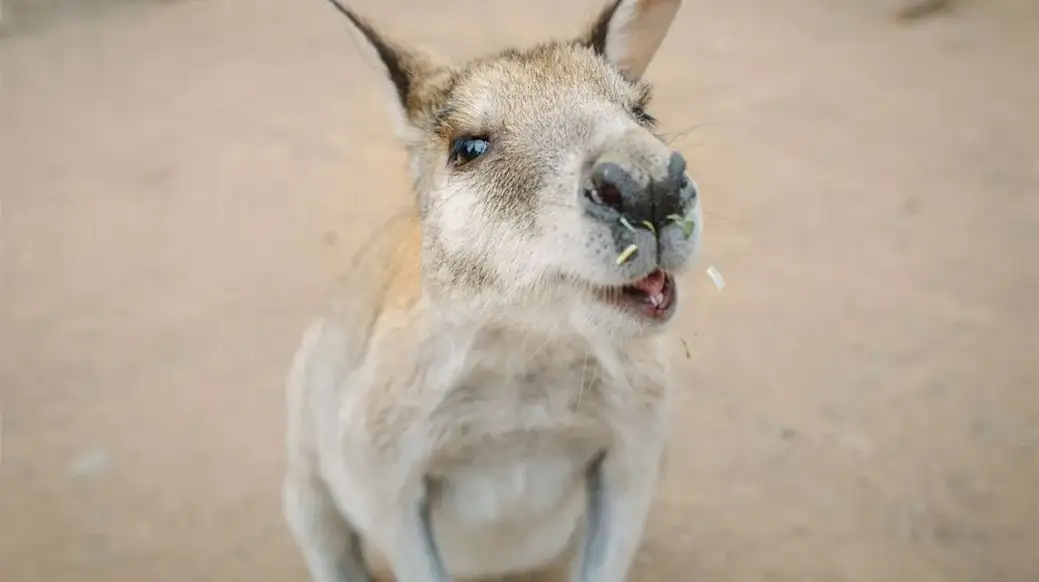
<point x="626" y="254"/>
<point x="687" y="224"/>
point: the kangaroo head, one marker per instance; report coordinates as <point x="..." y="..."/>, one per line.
<point x="545" y="197"/>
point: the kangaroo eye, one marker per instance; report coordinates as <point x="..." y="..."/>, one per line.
<point x="642" y="117"/>
<point x="467" y="149"/>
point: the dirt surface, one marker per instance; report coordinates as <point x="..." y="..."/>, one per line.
<point x="862" y="401"/>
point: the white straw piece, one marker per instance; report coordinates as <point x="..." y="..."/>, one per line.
<point x="716" y="276"/>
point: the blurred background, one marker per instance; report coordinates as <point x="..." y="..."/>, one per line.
<point x="180" y="181"/>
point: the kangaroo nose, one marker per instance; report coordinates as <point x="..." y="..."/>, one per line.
<point x="616" y="190"/>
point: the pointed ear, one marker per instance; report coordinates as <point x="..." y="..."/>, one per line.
<point x="629" y="32"/>
<point x="416" y="76"/>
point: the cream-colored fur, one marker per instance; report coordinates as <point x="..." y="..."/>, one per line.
<point x="471" y="366"/>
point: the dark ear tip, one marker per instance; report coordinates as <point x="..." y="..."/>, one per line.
<point x="391" y="57"/>
<point x="361" y="23"/>
<point x="595" y="39"/>
<point x="347" y="12"/>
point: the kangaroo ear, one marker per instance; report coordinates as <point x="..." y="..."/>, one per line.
<point x="416" y="76"/>
<point x="629" y="32"/>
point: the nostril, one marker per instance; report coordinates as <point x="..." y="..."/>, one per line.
<point x="592" y="195"/>
<point x="683" y="182"/>
<point x="606" y="195"/>
<point x="609" y="195"/>
<point x="607" y="185"/>
<point x="690" y="185"/>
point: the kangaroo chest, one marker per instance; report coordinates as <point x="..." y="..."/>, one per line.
<point x="515" y="438"/>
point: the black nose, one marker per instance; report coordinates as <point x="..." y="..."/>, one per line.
<point x="615" y="190"/>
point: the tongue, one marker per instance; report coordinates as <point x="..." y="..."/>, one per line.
<point x="653" y="284"/>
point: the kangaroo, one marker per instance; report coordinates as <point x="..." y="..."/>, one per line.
<point x="491" y="399"/>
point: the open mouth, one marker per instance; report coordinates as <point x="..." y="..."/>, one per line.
<point x="652" y="296"/>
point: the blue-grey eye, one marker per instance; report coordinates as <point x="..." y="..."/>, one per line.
<point x="467" y="149"/>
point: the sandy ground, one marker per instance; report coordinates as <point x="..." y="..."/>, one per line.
<point x="862" y="401"/>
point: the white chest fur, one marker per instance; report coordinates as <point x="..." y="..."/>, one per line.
<point x="515" y="439"/>
<point x="492" y="520"/>
<point x="503" y="431"/>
